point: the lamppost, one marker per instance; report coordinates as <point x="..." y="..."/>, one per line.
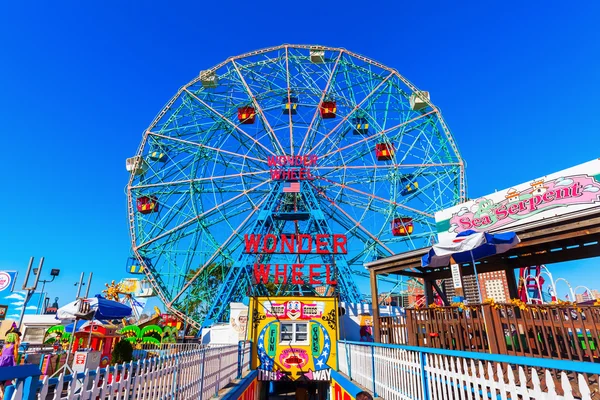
<point x="53" y="273"/>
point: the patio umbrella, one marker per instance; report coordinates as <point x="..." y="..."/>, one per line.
<point x="101" y="308"/>
<point x="469" y="246"/>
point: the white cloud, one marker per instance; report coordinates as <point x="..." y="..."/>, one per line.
<point x="591" y="188"/>
<point x="17" y="303"/>
<point x="563" y="182"/>
<point x="18" y="296"/>
<point x="31" y="308"/>
<point x="462" y="211"/>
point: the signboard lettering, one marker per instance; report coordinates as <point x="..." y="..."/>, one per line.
<point x="573" y="190"/>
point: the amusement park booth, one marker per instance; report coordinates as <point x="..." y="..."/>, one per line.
<point x="557" y="218"/>
<point x="294" y="343"/>
<point x="102" y="337"/>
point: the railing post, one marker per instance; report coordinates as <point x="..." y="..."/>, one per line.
<point x="175" y="384"/>
<point x="373" y="366"/>
<point x="218" y="376"/>
<point x="424" y="382"/>
<point x="348" y="360"/>
<point x="240" y="359"/>
<point x="203" y="364"/>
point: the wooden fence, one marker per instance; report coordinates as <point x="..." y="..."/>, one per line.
<point x="551" y="331"/>
<point x="396" y="372"/>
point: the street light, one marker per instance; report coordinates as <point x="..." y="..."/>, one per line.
<point x="54" y="272"/>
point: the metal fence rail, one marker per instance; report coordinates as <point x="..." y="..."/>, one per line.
<point x="406" y="372"/>
<point x="194" y="374"/>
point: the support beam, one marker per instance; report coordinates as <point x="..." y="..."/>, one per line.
<point x="375" y="303"/>
<point x="428" y="289"/>
<point x="441" y="292"/>
<point x="513" y="289"/>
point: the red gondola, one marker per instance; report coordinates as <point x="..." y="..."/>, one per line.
<point x="246" y="115"/>
<point x="384" y="151"/>
<point x="147" y="205"/>
<point x="402" y="226"/>
<point x="328" y="109"/>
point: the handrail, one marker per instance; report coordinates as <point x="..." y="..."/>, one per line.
<point x="575" y="366"/>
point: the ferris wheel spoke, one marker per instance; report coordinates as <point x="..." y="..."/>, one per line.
<point x="231" y="123"/>
<point x="345" y="118"/>
<point x="214" y="149"/>
<point x="196" y="180"/>
<point x="259" y="109"/>
<point x="343" y="186"/>
<point x="218" y="251"/>
<point x="289" y="94"/>
<point x="198" y="217"/>
<point x="376" y="135"/>
<point x="355" y="222"/>
<point x="323" y="94"/>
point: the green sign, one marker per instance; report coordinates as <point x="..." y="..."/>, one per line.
<point x="272" y="340"/>
<point x="315" y="342"/>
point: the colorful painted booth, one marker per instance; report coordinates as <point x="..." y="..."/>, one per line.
<point x="294" y="342"/>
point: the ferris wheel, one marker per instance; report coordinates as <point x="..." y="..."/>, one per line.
<point x="214" y="167"/>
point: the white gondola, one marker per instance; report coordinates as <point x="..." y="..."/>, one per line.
<point x="317" y="55"/>
<point x="208" y="79"/>
<point x="136" y="165"/>
<point x="417" y="100"/>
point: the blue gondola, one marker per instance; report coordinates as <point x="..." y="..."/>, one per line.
<point x="133" y="266"/>
<point x="291" y="106"/>
<point x="361" y="126"/>
<point x="409" y="185"/>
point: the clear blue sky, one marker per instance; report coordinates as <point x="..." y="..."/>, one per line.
<point x="517" y="82"/>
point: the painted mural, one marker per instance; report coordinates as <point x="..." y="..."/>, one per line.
<point x="294" y="339"/>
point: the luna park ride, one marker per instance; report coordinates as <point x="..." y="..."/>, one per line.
<point x="279" y="173"/>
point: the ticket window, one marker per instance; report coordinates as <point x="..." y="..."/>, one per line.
<point x="294" y="333"/>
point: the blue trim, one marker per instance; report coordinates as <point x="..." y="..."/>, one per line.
<point x="348" y="385"/>
<point x="424" y="381"/>
<point x="241" y="386"/>
<point x="566" y="365"/>
<point x="373" y="366"/>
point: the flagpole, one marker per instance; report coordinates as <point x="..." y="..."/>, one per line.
<point x="487" y="334"/>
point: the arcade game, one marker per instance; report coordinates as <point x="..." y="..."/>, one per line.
<point x="294" y="344"/>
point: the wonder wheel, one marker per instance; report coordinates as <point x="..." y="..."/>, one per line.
<point x="286" y="141"/>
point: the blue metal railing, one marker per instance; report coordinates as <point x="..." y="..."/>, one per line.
<point x="371" y="381"/>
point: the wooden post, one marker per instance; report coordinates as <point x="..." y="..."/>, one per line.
<point x="493" y="332"/>
<point x="375" y="303"/>
<point x="513" y="289"/>
<point x="428" y="288"/>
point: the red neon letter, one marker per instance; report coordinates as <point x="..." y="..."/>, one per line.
<point x="328" y="277"/>
<point x="340" y="241"/>
<point x="269" y="243"/>
<point x="314" y="274"/>
<point x="300" y="239"/>
<point x="261" y="272"/>
<point x="252" y="242"/>
<point x="280" y="274"/>
<point x="321" y="241"/>
<point x="297" y="274"/>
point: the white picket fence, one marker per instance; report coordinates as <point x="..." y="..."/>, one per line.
<point x="392" y="372"/>
<point x="197" y="374"/>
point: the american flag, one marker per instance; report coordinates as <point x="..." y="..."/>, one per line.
<point x="294" y="187"/>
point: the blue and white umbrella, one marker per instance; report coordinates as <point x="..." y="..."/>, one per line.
<point x="469" y="246"/>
